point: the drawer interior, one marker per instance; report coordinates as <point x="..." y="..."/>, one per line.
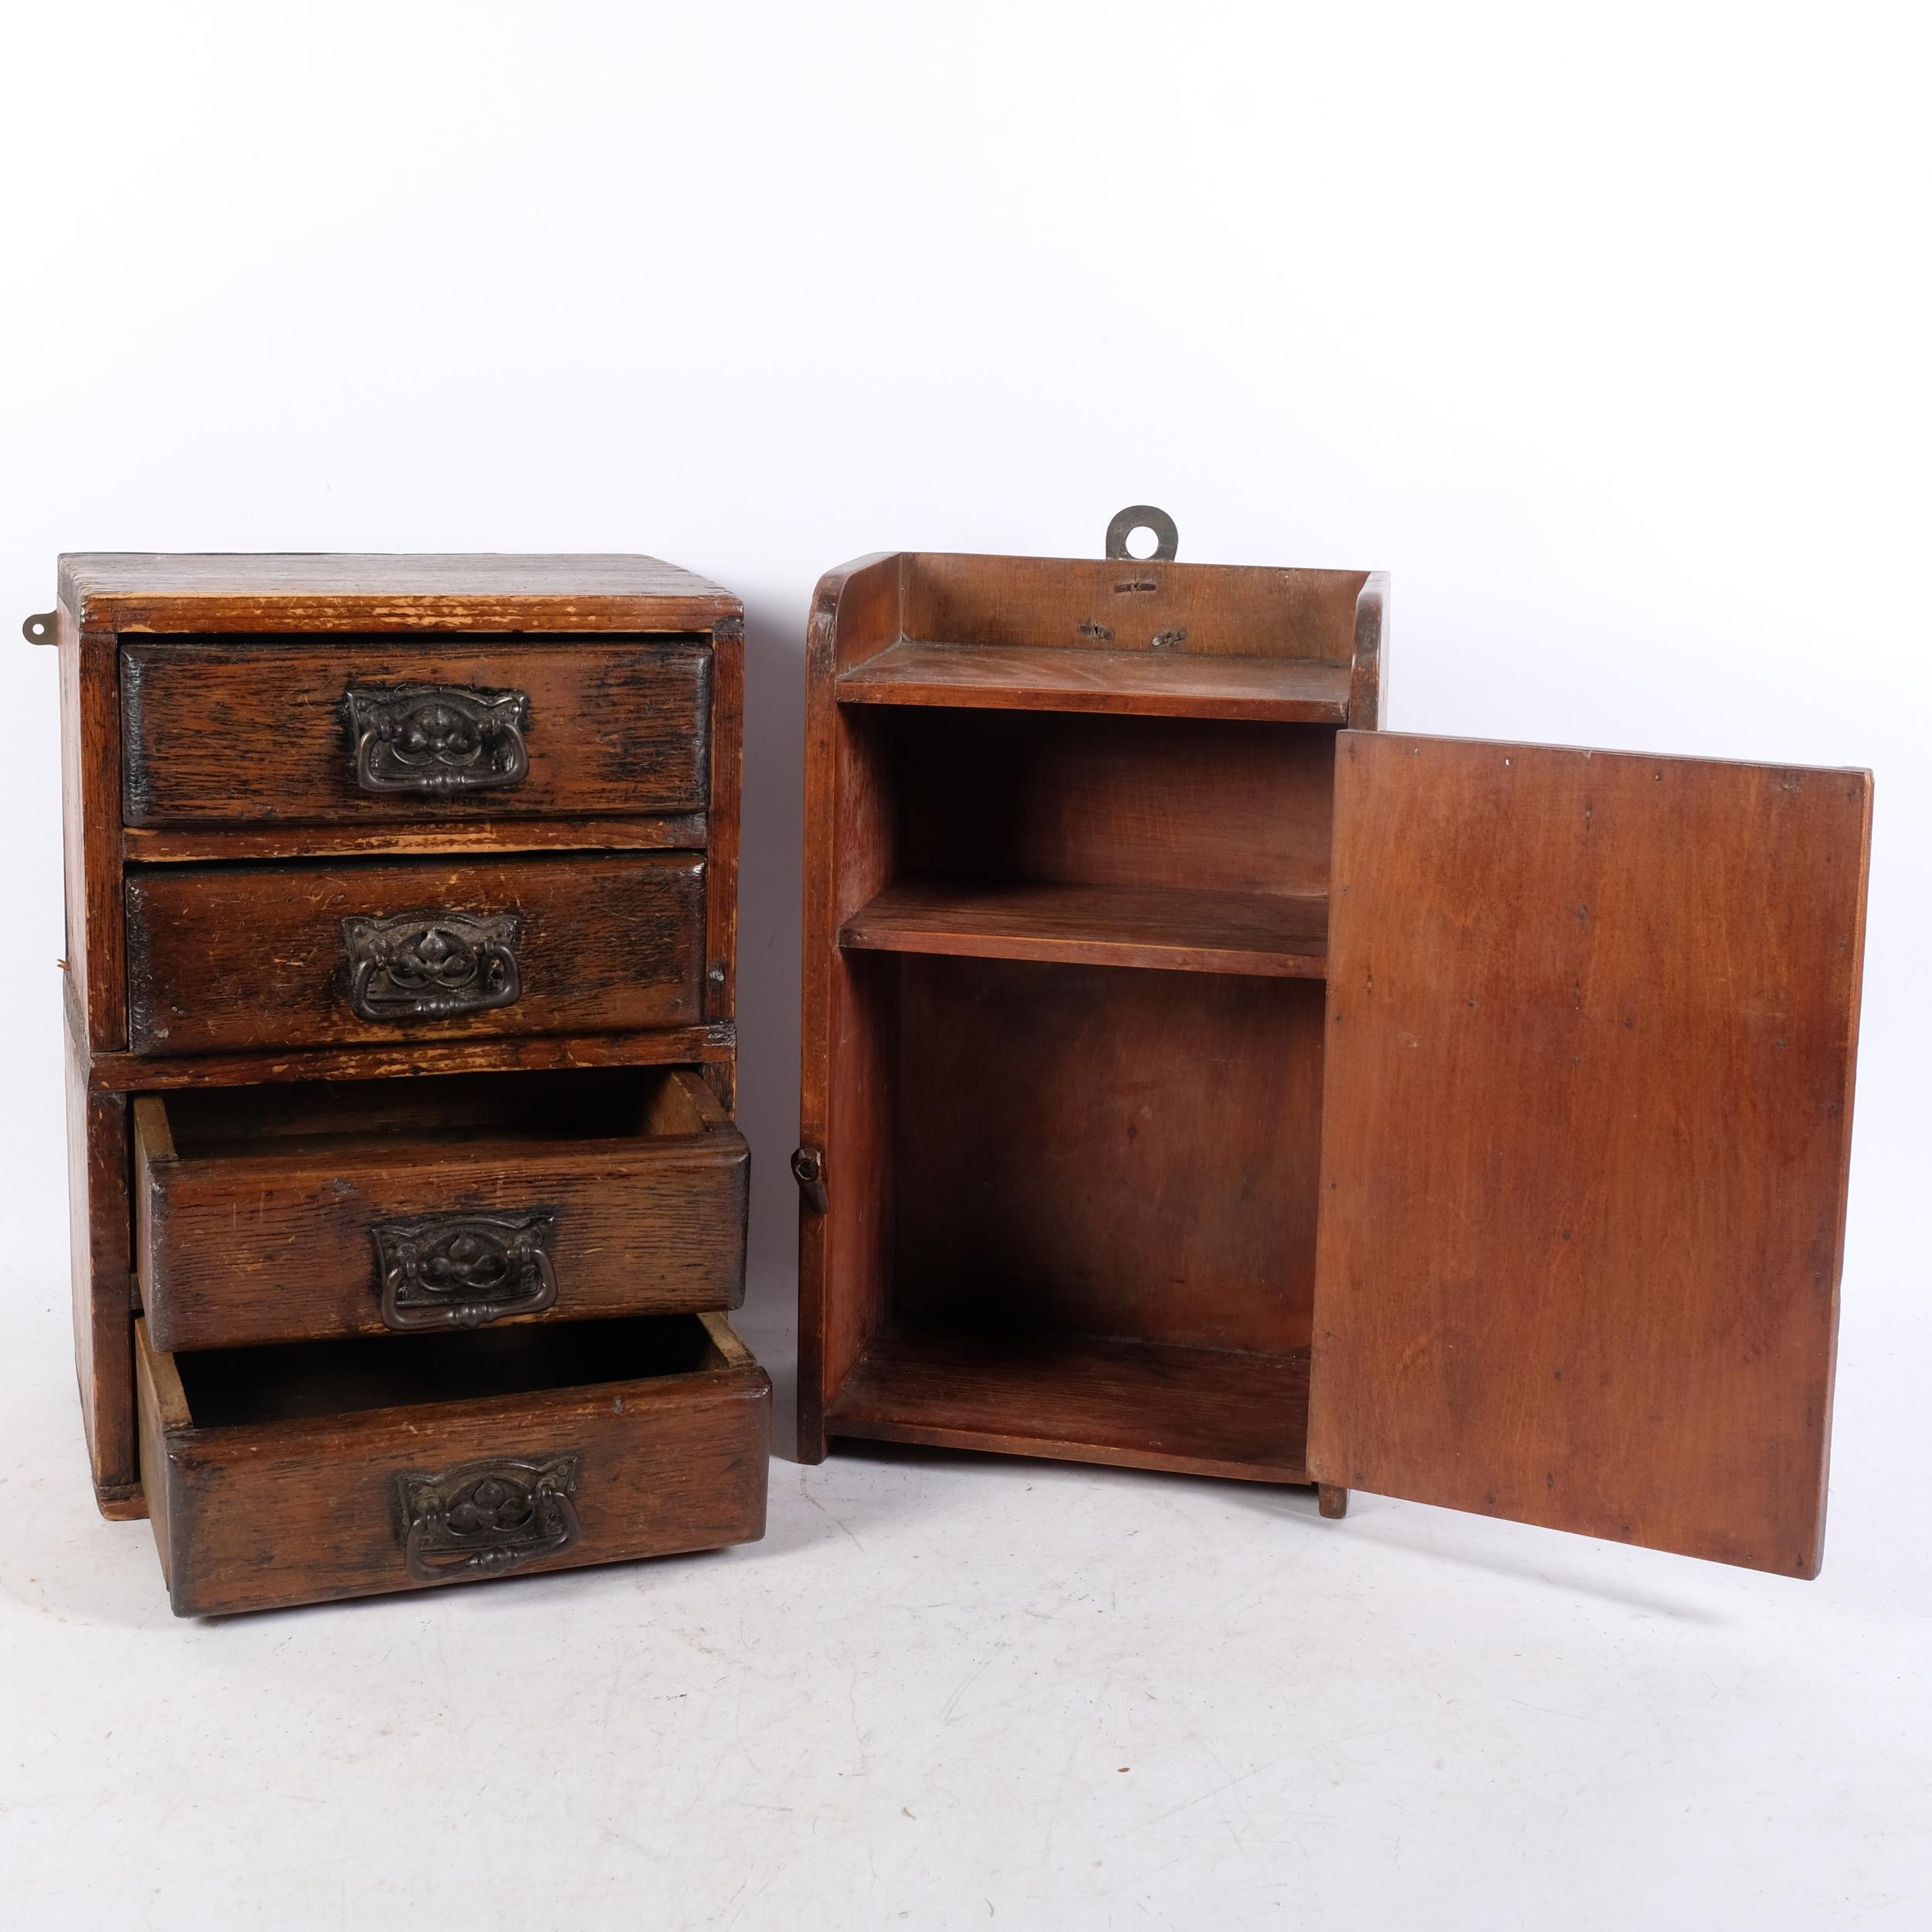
<point x="578" y="1104"/>
<point x="229" y="1387"/>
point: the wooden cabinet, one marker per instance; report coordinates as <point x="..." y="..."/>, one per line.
<point x="408" y="1203"/>
<point x="1196" y="1077"/>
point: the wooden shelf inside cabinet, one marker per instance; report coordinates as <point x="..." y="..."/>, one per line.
<point x="1282" y="936"/>
<point x="1143" y="1405"/>
<point x="1149" y="683"/>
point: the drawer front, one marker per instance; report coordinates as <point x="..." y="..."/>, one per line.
<point x="370" y="1234"/>
<point x="384" y="730"/>
<point x="255" y="1514"/>
<point x="235" y="957"/>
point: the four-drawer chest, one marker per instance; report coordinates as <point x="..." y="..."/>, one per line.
<point x="407" y="1201"/>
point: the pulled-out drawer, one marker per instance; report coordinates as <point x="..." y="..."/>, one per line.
<point x="376" y="730"/>
<point x="298" y="1474"/>
<point x="289" y="1213"/>
<point x="235" y="957"/>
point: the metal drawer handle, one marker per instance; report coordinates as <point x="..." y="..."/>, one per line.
<point x="437" y="738"/>
<point x="461" y="1270"/>
<point x="432" y="965"/>
<point x="481" y="1518"/>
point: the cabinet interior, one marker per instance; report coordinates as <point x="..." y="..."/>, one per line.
<point x="1081" y="984"/>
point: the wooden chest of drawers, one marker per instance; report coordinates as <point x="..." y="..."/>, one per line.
<point x="407" y="1201"/>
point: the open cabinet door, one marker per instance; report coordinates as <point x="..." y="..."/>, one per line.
<point x="1587" y="1114"/>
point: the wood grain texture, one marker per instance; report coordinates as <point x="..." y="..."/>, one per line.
<point x="1032" y="678"/>
<point x="255" y="1208"/>
<point x="91" y="795"/>
<point x="1101" y="1152"/>
<point x="711" y="1045"/>
<point x="246" y="956"/>
<point x="135" y="590"/>
<point x="1162" y="928"/>
<point x="99" y="1259"/>
<point x="846" y="1015"/>
<point x="250" y="731"/>
<point x="1112" y="801"/>
<point x="674" y="832"/>
<point x="265" y="1497"/>
<point x="726" y="740"/>
<point x="1204" y="1412"/>
<point x="1092" y="604"/>
<point x="1592" y="1027"/>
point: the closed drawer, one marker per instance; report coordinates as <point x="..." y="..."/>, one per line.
<point x="301" y="955"/>
<point x="296" y="1474"/>
<point x="374" y="730"/>
<point x="289" y="1214"/>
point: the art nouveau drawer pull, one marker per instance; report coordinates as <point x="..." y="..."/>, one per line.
<point x="481" y="1518"/>
<point x="461" y="1270"/>
<point x="438" y="739"/>
<point x="432" y="965"/>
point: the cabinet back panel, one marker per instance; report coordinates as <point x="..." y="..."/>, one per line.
<point x="1205" y="609"/>
<point x="1107" y="1151"/>
<point x="1115" y="802"/>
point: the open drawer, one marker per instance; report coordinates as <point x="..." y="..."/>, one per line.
<point x="295" y="1475"/>
<point x="294" y="1212"/>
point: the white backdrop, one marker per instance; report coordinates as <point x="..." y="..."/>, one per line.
<point x="1604" y="330"/>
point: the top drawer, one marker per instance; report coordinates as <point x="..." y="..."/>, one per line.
<point x="381" y="728"/>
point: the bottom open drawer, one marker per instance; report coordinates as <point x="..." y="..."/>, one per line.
<point x="295" y="1475"/>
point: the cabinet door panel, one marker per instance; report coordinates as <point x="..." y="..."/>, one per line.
<point x="1592" y="1020"/>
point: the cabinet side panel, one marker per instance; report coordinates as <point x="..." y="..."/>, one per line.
<point x="1586" y="1118"/>
<point x="100" y="1260"/>
<point x="90" y="796"/>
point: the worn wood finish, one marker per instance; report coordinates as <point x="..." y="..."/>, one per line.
<point x="147" y="591"/>
<point x="1591" y="1037"/>
<point x="238" y="956"/>
<point x="100" y="1261"/>
<point x="616" y="858"/>
<point x="1203" y="1412"/>
<point x="256" y="1208"/>
<point x="275" y="1471"/>
<point x="712" y="1044"/>
<point x="242" y="731"/>
<point x="1160" y="927"/>
<point x="671" y="831"/>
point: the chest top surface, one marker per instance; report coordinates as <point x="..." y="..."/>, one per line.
<point x="138" y="590"/>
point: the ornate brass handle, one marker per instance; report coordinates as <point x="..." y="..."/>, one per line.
<point x="481" y="1518"/>
<point x="461" y="1270"/>
<point x="438" y="739"/>
<point x="432" y="965"/>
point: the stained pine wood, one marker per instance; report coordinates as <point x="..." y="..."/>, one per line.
<point x="1207" y="1411"/>
<point x="1021" y="678"/>
<point x="273" y="1472"/>
<point x="100" y="1251"/>
<point x="1162" y="927"/>
<point x="147" y="591"/>
<point x="1592" y="1029"/>
<point x="255" y="1207"/>
<point x="238" y="956"/>
<point x="248" y="731"/>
